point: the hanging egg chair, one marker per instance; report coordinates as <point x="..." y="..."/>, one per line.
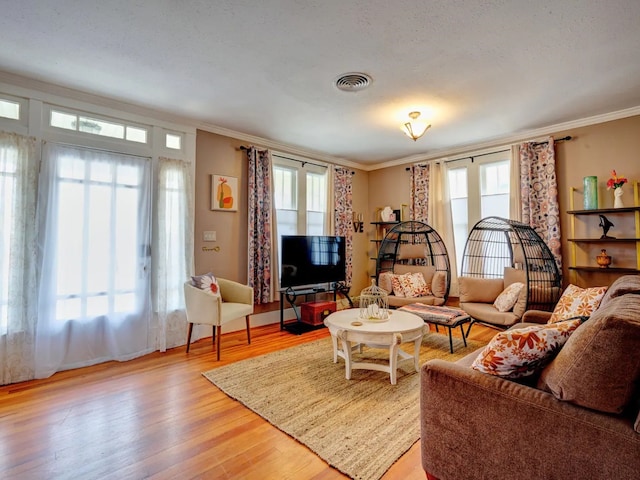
<point x="411" y="247"/>
<point x="501" y="249"/>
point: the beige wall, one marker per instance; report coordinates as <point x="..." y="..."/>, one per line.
<point x="217" y="154"/>
<point x="593" y="150"/>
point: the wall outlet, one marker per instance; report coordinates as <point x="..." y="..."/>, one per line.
<point x="209" y="236"/>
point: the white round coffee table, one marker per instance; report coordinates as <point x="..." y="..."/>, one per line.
<point x="352" y="332"/>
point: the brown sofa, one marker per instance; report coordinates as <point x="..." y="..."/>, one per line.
<point x="577" y="419"/>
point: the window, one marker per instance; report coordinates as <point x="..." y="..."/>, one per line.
<point x="478" y="188"/>
<point x="300" y="192"/>
<point x="98" y="126"/>
<point x="173" y="141"/>
<point x="9" y="109"/>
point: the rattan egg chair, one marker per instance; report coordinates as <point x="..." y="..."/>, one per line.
<point x="415" y="247"/>
<point x="499" y="252"/>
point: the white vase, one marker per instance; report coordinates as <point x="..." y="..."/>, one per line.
<point x="617" y="198"/>
<point x="385" y="214"/>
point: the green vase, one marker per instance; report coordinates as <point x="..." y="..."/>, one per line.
<point x="590" y="193"/>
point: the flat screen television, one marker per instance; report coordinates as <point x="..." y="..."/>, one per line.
<point x="308" y="260"/>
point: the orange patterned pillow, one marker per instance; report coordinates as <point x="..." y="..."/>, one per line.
<point x="414" y="285"/>
<point x="522" y="352"/>
<point x="396" y="285"/>
<point x="577" y="301"/>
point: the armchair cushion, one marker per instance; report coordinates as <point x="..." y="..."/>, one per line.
<point x="479" y="290"/>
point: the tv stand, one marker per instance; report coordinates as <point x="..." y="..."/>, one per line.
<point x="291" y="294"/>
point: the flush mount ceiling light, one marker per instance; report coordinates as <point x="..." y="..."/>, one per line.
<point x="415" y="128"/>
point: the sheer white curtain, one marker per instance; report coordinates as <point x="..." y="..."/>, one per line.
<point x="94" y="300"/>
<point x="173" y="258"/>
<point x="440" y="215"/>
<point x="18" y="187"/>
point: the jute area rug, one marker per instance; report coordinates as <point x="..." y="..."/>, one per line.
<point x="359" y="426"/>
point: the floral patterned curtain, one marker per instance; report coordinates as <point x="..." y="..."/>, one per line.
<point x="261" y="228"/>
<point x="539" y="193"/>
<point x="343" y="226"/>
<point x="419" y="208"/>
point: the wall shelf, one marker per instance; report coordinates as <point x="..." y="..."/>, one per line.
<point x="623" y="245"/>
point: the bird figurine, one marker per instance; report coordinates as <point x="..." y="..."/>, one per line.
<point x="605" y="224"/>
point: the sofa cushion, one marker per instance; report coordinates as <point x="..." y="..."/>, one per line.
<point x="599" y="366"/>
<point x="384" y="281"/>
<point x="508" y="298"/>
<point x="577" y="301"/>
<point x="479" y="290"/>
<point x="397" y="285"/>
<point x="487" y="313"/>
<point x="521" y="352"/>
<point x="439" y="284"/>
<point x="622" y="286"/>
<point x="206" y="282"/>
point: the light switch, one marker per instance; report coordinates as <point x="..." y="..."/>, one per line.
<point x="209" y="236"/>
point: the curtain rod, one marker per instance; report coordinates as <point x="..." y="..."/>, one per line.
<point x="303" y="162"/>
<point x="568" y="137"/>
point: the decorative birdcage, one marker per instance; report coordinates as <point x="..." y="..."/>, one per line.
<point x="374" y="303"/>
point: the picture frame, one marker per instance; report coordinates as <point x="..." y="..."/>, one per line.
<point x="224" y="193"/>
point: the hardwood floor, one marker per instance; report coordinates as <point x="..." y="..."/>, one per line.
<point x="158" y="417"/>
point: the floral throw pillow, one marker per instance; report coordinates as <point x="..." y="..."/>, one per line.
<point x="508" y="298"/>
<point x="414" y="285"/>
<point x="577" y="301"/>
<point x="206" y="282"/>
<point x="521" y="352"/>
<point x="396" y="286"/>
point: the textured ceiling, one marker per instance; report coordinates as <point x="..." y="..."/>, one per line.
<point x="480" y="70"/>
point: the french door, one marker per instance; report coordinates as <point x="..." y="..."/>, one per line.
<point x="94" y="238"/>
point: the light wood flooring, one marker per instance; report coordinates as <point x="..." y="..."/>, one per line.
<point x="158" y="417"/>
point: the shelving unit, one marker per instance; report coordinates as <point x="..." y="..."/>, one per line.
<point x="626" y="247"/>
<point x="381" y="229"/>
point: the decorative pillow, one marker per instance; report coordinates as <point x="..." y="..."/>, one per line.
<point x="396" y="285"/>
<point x="577" y="301"/>
<point x="521" y="352"/>
<point x="206" y="282"/>
<point x="508" y="298"/>
<point x="413" y="285"/>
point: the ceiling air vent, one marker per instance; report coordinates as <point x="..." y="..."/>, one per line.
<point x="353" y="82"/>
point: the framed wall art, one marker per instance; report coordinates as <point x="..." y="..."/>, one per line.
<point x="224" y="193"/>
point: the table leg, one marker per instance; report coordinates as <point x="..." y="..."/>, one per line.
<point x="334" y="342"/>
<point x="393" y="357"/>
<point x="464" y="338"/>
<point x="416" y="353"/>
<point x="346" y="349"/>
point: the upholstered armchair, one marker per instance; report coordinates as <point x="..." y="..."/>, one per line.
<point x="235" y="301"/>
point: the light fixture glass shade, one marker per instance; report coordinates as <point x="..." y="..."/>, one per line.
<point x="415" y="128"/>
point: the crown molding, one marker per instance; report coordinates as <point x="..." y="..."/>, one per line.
<point x="507" y="141"/>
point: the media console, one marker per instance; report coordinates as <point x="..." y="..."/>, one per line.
<point x="292" y="294"/>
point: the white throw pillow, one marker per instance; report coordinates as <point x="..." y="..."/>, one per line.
<point x="508" y="298"/>
<point x="577" y="301"/>
<point x="206" y="282"/>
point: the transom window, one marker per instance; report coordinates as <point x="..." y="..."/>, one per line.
<point x="98" y="126"/>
